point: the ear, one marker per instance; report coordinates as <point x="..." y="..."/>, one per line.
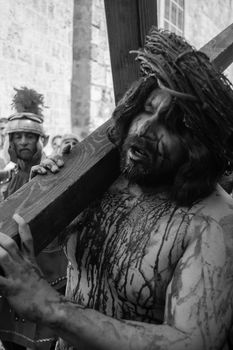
<point x="45" y="140"/>
<point x="12" y="153"/>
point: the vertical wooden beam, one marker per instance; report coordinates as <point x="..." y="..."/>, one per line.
<point x="147" y="14"/>
<point x="128" y="22"/>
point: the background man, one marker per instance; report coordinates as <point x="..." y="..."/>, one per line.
<point x="24" y="146"/>
<point x="68" y="140"/>
<point x="25" y="139"/>
<point x="56" y="142"/>
<point x="151" y="262"/>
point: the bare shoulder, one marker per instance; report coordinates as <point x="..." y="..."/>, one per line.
<point x="213" y="214"/>
<point x="211" y="234"/>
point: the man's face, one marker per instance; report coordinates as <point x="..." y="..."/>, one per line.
<point x="152" y="152"/>
<point x="72" y="142"/>
<point x="25" y="144"/>
<point x="56" y="143"/>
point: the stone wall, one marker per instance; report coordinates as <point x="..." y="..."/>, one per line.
<point x="81" y="76"/>
<point x="102" y="97"/>
<point x="205" y="19"/>
<point x="92" y="87"/>
<point x="60" y="48"/>
<point x="36" y="51"/>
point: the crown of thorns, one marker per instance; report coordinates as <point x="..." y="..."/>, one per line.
<point x="203" y="94"/>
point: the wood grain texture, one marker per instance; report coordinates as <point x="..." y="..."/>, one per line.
<point x="147" y="14"/>
<point x="49" y="203"/>
<point x="128" y="22"/>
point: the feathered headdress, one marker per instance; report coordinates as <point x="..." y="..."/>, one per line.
<point x="28" y="117"/>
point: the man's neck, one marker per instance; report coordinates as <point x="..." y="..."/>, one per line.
<point x="125" y="184"/>
<point x="24" y="165"/>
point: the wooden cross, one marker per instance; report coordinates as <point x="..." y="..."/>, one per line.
<point x="49" y="203"/>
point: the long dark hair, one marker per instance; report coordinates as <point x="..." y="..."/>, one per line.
<point x="204" y="124"/>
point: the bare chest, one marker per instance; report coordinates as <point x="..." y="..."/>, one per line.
<point x="125" y="255"/>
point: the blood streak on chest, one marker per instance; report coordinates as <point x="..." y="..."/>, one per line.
<point x="126" y="254"/>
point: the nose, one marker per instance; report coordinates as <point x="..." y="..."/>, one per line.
<point x="24" y="140"/>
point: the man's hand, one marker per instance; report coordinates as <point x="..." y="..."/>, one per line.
<point x="23" y="284"/>
<point x="52" y="163"/>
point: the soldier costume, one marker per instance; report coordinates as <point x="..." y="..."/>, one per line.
<point x="28" y="118"/>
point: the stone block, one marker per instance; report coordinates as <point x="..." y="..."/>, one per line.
<point x="24" y="56"/>
<point x="98" y="73"/>
<point x="96" y="93"/>
<point x="8" y="51"/>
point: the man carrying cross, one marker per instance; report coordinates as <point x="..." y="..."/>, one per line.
<point x="151" y="261"/>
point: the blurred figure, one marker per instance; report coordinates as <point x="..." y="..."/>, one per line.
<point x="68" y="140"/>
<point x="3" y="123"/>
<point x="56" y="142"/>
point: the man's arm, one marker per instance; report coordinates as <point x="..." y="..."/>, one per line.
<point x="199" y="297"/>
<point x="198" y="305"/>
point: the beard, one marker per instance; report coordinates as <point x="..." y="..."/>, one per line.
<point x="146" y="167"/>
<point x="25" y="155"/>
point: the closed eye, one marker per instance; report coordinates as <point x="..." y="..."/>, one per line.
<point x="148" y="107"/>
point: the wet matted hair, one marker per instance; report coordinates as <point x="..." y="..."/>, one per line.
<point x="202" y="100"/>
